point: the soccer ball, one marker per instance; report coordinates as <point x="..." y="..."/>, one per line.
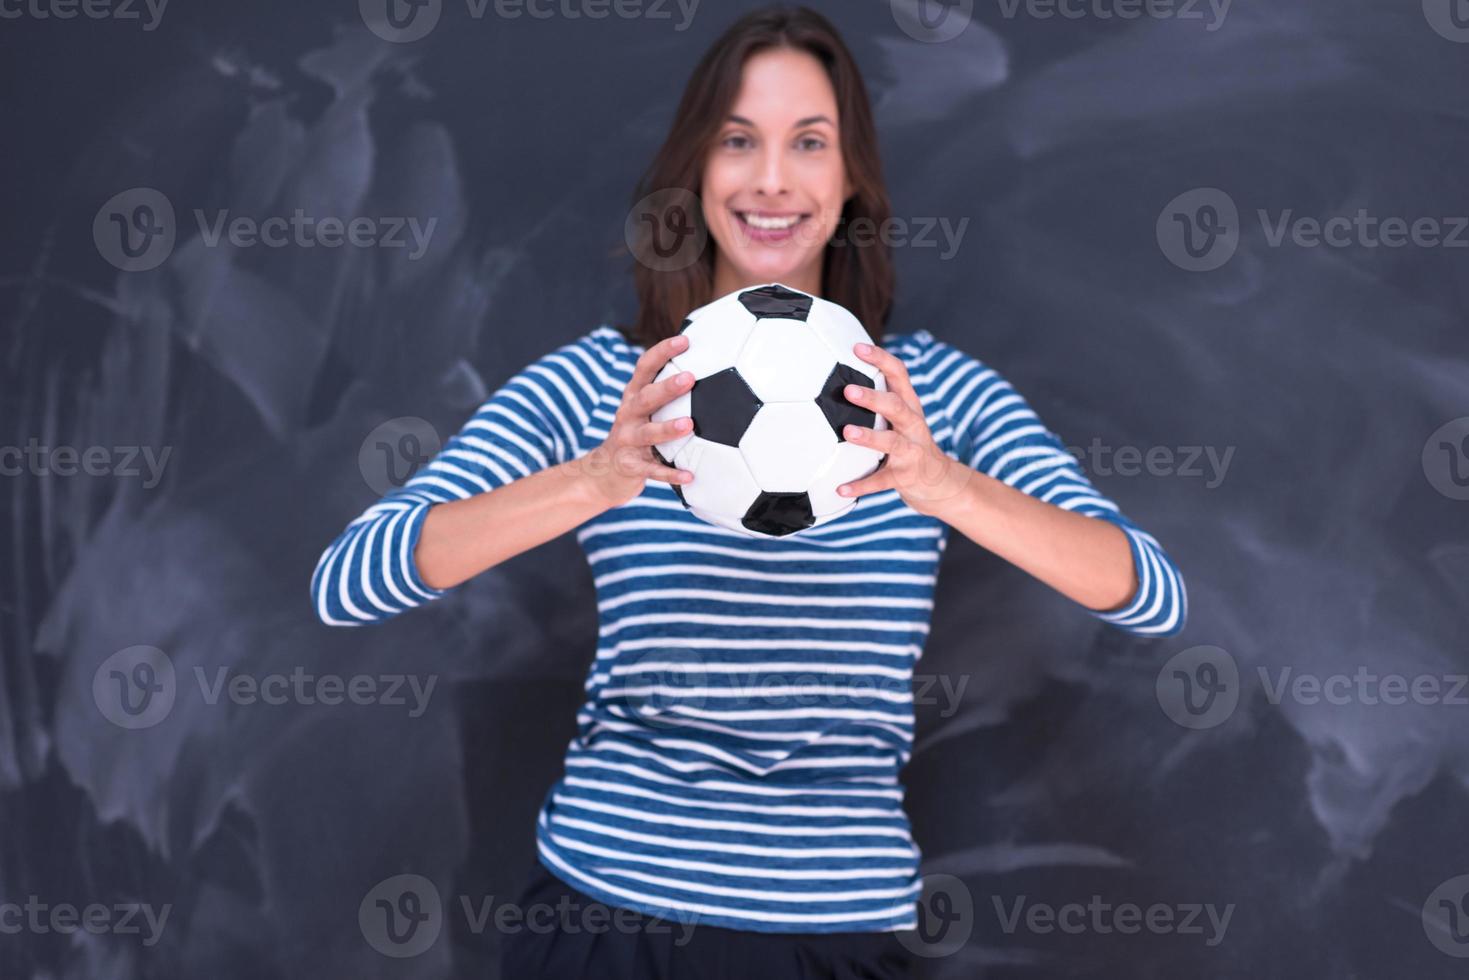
<point x="770" y="365"/>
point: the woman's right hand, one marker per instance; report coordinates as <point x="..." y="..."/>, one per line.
<point x="619" y="468"/>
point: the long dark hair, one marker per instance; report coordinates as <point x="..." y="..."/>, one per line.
<point x="858" y="277"/>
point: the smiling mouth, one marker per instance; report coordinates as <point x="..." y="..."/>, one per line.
<point x="762" y="222"/>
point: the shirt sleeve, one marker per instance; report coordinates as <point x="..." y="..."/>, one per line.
<point x="537" y="419"/>
<point x="991" y="428"/>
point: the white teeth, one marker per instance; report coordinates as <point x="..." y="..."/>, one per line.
<point x="771" y="224"/>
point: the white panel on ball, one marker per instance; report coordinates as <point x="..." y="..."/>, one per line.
<point x="784" y="361"/>
<point x="716" y="340"/>
<point x="787" y="445"/>
<point x="722" y="482"/>
<point x="847" y="464"/>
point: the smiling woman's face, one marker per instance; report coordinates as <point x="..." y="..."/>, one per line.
<point x="774" y="181"/>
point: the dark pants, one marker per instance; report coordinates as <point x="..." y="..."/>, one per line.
<point x="627" y="945"/>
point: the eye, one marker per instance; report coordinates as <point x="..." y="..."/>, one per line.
<point x="735" y="141"/>
<point x="811" y="142"/>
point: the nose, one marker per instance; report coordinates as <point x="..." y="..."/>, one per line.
<point x="770" y="178"/>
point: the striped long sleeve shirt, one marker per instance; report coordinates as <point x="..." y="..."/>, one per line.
<point x="749" y="706"/>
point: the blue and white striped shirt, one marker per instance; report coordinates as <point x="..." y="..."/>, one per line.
<point x="750" y="704"/>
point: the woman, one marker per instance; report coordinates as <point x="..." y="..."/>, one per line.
<point x="749" y="707"/>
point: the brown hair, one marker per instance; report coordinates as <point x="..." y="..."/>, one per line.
<point x="858" y="277"/>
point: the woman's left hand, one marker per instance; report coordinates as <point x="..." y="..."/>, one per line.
<point x="925" y="477"/>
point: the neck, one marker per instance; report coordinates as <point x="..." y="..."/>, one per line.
<point x="727" y="279"/>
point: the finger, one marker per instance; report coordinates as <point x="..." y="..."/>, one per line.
<point x="670" y="475"/>
<point x="894" y="371"/>
<point x="883" y="440"/>
<point x="658" y="394"/>
<point x="654" y="433"/>
<point x="873" y="483"/>
<point x="663" y="469"/>
<point x="652" y="362"/>
<point x="888" y="404"/>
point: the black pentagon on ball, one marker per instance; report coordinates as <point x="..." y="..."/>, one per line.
<point x="776" y="301"/>
<point x="779" y="514"/>
<point x="677" y="489"/>
<point x="683" y="327"/>
<point x="835" y="405"/>
<point x="722" y="406"/>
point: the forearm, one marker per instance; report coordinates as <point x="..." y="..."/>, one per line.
<point x="1086" y="559"/>
<point x="462" y="538"/>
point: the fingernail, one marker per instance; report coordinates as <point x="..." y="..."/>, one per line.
<point x="864" y="348"/>
<point x="856" y="391"/>
<point x="845" y="491"/>
<point x="853" y="432"/>
<point x="685" y="378"/>
<point x="683" y="423"/>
